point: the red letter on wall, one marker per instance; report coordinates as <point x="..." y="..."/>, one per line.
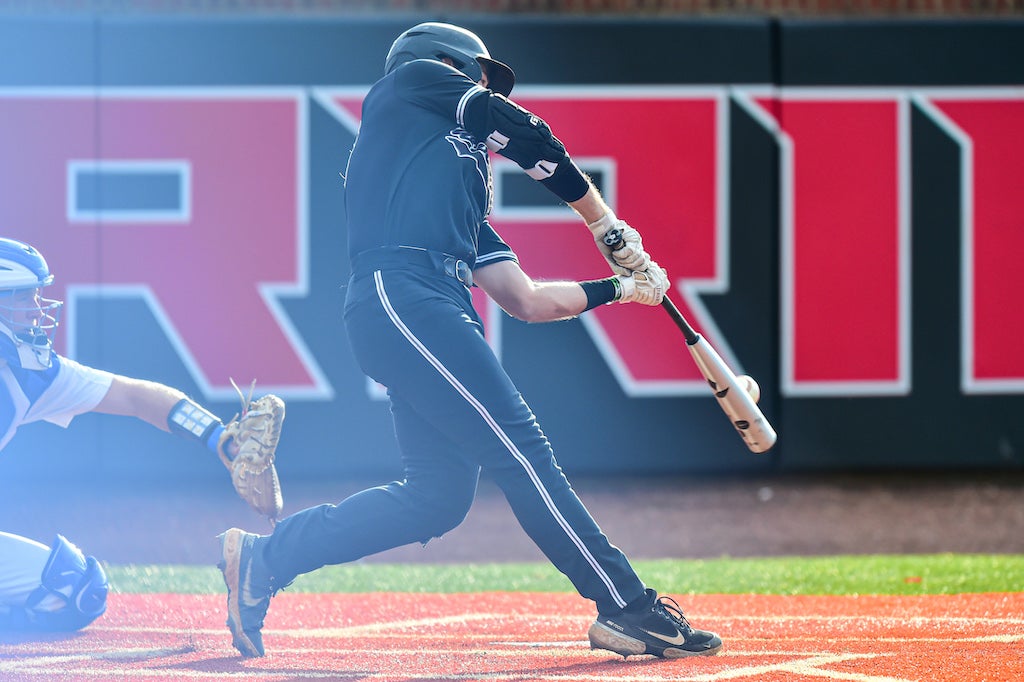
<point x="191" y="201"/>
<point x="845" y="241"/>
<point x="989" y="128"/>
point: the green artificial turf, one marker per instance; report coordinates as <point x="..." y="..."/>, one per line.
<point x="861" y="574"/>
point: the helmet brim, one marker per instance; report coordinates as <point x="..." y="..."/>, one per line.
<point x="500" y="76"/>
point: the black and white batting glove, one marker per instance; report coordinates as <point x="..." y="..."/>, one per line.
<point x="630" y="257"/>
<point x="647" y="287"/>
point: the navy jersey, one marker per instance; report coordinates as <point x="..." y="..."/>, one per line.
<point x="416" y="176"/>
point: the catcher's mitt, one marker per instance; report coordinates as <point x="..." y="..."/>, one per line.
<point x="256" y="432"/>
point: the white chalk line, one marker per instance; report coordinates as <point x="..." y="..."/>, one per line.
<point x="392" y="629"/>
<point x="809" y="666"/>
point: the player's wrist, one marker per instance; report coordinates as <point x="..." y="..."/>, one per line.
<point x="601" y="226"/>
<point x="194" y="422"/>
<point x="627" y="288"/>
<point x="601" y="291"/>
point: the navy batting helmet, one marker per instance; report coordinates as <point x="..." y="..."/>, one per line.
<point x="433" y="40"/>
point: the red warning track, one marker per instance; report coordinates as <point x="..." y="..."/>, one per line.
<point x="515" y="636"/>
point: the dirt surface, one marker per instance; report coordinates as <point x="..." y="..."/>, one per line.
<point x="360" y="637"/>
<point x="696" y="517"/>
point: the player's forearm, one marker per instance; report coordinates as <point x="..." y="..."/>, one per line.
<point x="551" y="301"/>
<point x="528" y="300"/>
<point x="146" y="400"/>
<point x="591" y="206"/>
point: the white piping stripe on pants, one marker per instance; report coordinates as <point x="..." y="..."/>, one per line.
<point x="502" y="436"/>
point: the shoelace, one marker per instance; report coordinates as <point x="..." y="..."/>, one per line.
<point x="669" y="608"/>
<point x="274" y="589"/>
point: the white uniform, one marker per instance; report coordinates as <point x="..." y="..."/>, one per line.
<point x="56" y="395"/>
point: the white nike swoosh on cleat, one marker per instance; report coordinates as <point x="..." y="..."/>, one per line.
<point x="245" y="590"/>
<point x="677" y="640"/>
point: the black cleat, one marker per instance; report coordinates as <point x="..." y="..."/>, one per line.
<point x="249" y="591"/>
<point x="661" y="630"/>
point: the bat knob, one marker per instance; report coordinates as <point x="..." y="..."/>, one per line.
<point x="613" y="238"/>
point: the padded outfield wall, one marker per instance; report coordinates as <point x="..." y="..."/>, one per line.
<point x="839" y="204"/>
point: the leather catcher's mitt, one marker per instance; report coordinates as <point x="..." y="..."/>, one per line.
<point x="256" y="431"/>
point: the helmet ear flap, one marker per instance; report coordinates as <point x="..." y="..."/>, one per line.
<point x="455" y="60"/>
<point x="471" y="67"/>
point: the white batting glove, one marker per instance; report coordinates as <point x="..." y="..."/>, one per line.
<point x="628" y="258"/>
<point x="647" y="286"/>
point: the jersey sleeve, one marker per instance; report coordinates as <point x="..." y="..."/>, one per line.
<point x="75" y="390"/>
<point x="492" y="248"/>
<point x="435" y="86"/>
<point x="521" y="136"/>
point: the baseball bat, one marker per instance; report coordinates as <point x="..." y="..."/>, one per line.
<point x="755" y="430"/>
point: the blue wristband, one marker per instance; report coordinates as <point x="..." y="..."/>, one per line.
<point x="214" y="440"/>
<point x="193" y="421"/>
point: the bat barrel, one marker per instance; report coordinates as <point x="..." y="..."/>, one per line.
<point x="743" y="412"/>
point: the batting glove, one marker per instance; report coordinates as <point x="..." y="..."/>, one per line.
<point x="647" y="287"/>
<point x="630" y="257"/>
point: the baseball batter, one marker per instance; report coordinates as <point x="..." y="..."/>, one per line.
<point x="418" y="191"/>
<point x="57" y="587"/>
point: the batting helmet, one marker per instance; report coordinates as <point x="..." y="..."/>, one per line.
<point x="26" y="318"/>
<point x="433" y="40"/>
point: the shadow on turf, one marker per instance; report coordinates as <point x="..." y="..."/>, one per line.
<point x="16" y="637"/>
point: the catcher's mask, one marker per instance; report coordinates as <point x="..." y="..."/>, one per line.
<point x="433" y="40"/>
<point x="26" y="318"/>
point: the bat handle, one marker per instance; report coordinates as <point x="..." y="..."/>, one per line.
<point x="613" y="239"/>
<point x="689" y="334"/>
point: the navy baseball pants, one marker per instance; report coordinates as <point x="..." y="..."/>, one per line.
<point x="455" y="411"/>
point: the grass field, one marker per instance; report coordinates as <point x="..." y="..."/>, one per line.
<point x="833" y="575"/>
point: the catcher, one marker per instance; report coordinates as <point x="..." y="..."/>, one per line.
<point x="57" y="587"/>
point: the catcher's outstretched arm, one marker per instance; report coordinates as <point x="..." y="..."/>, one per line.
<point x="146" y="400"/>
<point x="246" y="445"/>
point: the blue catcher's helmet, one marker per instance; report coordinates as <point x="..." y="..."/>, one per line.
<point x="433" y="40"/>
<point x="26" y="318"/>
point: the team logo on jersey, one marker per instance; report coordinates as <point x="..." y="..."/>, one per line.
<point x="468" y="148"/>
